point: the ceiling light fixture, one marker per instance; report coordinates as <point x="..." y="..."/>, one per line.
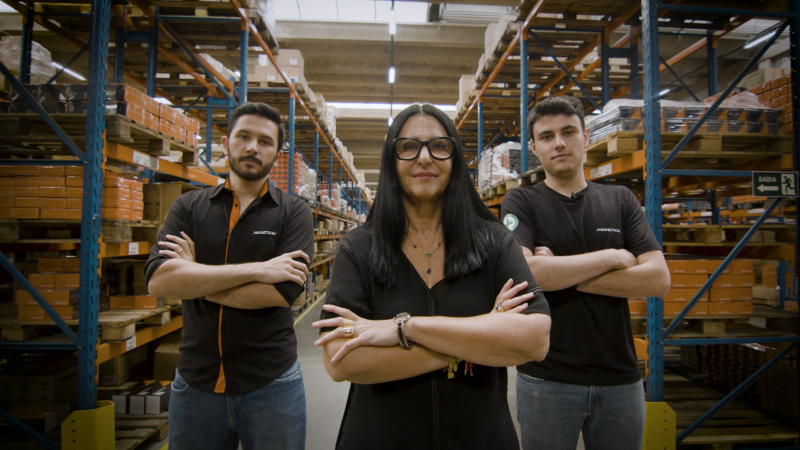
<point x="392" y="22"/>
<point x="664" y="92"/>
<point x="758" y="40"/>
<point x="391" y="74"/>
<point x="390" y="121"/>
<point x="67" y="71"/>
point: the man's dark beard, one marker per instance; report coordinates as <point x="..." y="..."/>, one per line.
<point x="251" y="176"/>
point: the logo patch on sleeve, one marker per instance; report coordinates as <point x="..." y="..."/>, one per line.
<point x="511" y="221"/>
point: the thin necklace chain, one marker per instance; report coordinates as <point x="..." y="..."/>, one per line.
<point x="426" y="255"/>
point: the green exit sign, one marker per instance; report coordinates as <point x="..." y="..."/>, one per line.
<point x="775" y="184"/>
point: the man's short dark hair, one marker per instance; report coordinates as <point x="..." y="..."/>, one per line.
<point x="551" y="106"/>
<point x="261" y="110"/>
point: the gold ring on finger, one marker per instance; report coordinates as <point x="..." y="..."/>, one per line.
<point x="499" y="307"/>
<point x="348" y="323"/>
<point x="348" y="331"/>
<point x="180" y="250"/>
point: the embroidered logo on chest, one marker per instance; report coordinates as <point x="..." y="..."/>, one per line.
<point x="270" y="233"/>
<point x="608" y="230"/>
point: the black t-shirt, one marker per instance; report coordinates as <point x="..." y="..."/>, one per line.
<point x="225" y="349"/>
<point x="591" y="342"/>
<point x="429" y="411"/>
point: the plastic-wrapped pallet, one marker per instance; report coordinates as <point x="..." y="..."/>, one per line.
<point x="484" y="171"/>
<point x="42" y="68"/>
<point x="331" y="200"/>
<point x="306" y="182"/>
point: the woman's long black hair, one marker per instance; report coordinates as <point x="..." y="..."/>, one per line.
<point x="465" y="218"/>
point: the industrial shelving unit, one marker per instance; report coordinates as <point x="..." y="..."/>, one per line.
<point x="495" y="108"/>
<point x="207" y="97"/>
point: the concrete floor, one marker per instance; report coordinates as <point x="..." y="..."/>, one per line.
<point x="326" y="399"/>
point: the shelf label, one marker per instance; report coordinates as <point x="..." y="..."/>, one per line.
<point x="130" y="344"/>
<point x="133" y="248"/>
<point x="775" y="184"/>
<point x="601" y="171"/>
<point x="145" y="160"/>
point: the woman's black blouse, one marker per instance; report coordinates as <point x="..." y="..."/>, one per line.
<point x="429" y="411"/>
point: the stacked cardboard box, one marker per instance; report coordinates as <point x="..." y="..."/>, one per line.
<point x="38" y="380"/>
<point x="330" y="199"/>
<point x="261" y="69"/>
<point x="41" y="192"/>
<point x="502" y="163"/>
<point x="123" y="198"/>
<point x="134" y="302"/>
<point x="775" y="93"/>
<point x="57" y="280"/>
<point x="121" y="99"/>
<point x="303" y="180"/>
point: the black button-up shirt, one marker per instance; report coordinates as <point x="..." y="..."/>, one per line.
<point x="225" y="349"/>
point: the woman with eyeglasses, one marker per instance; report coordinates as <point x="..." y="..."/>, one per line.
<point x="428" y="303"/>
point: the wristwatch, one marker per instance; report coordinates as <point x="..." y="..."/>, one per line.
<point x="401" y="320"/>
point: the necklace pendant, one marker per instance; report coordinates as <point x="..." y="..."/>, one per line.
<point x="428" y="255"/>
<point x="429" y="271"/>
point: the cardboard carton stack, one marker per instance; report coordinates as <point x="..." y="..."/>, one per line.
<point x="731" y="293"/>
<point x="123" y="198"/>
<point x="121" y="99"/>
<point x="304" y="177"/>
<point x="122" y="302"/>
<point x="41" y="192"/>
<point x="774" y="89"/>
<point x="58" y="281"/>
<point x="330" y="199"/>
<point x="261" y="69"/>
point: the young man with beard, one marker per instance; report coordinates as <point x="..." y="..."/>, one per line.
<point x="590" y="249"/>
<point x="237" y="254"/>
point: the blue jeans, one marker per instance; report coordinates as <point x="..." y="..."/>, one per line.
<point x="271" y="417"/>
<point x="552" y="415"/>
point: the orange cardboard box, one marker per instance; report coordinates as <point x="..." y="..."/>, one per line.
<point x="741" y="266"/>
<point x="52" y="213"/>
<point x="53" y="192"/>
<point x="72" y="265"/>
<point x="73" y="214"/>
<point x="731" y="294"/>
<point x="75" y="192"/>
<point x="27" y="171"/>
<point x="74" y="203"/>
<point x="116" y="202"/>
<point x="74" y="182"/>
<point x="714" y="264"/>
<point x="6" y="181"/>
<point x="146" y="302"/>
<point x="674" y="308"/>
<point x="676" y="266"/>
<point x="52" y="171"/>
<point x="31" y="312"/>
<point x="688" y="280"/>
<point x="121" y="303"/>
<point x="8" y="171"/>
<point x="151" y="120"/>
<point x="42" y="280"/>
<point x="26" y="202"/>
<point x="26" y="181"/>
<point x="51" y="265"/>
<point x="637" y="307"/>
<point x="24" y="213"/>
<point x="775" y="102"/>
<point x="116" y="213"/>
<point x="116" y="193"/>
<point x="52" y="296"/>
<point x="697" y="266"/>
<point x="137" y="205"/>
<point x="736" y="280"/>
<point x="730" y="308"/>
<point x="110" y="179"/>
<point x="53" y="203"/>
<point x="137" y="185"/>
<point x="53" y="181"/>
<point x="74" y="171"/>
<point x="137" y="215"/>
<point x="683" y="295"/>
<point x="67" y="280"/>
<point x="7" y="203"/>
<point x="137" y="196"/>
<point x="180" y="119"/>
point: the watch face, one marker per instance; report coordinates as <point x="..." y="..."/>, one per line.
<point x="402" y="317"/>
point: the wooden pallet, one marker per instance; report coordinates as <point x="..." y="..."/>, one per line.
<point x="133" y="430"/>
<point x="118" y="325"/>
<point x="113" y="231"/>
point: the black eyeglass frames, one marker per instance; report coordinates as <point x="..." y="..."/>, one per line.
<point x="408" y="148"/>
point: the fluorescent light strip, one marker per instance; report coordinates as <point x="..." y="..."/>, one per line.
<point x="759" y="40"/>
<point x="396" y="106"/>
<point x="67" y="71"/>
<point x="391" y="74"/>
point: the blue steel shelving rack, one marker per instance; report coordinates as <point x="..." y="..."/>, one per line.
<point x="91" y="159"/>
<point x="656" y="169"/>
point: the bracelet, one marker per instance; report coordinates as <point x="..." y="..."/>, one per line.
<point x="452" y="367"/>
<point x="401" y="320"/>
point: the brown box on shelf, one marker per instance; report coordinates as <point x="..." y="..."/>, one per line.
<point x="731" y="294"/>
<point x="72" y="264"/>
<point x="137" y="185"/>
<point x="714" y="264"/>
<point x="674" y="308"/>
<point x="75" y="192"/>
<point x="54" y="383"/>
<point x="151" y="121"/>
<point x="51" y="265"/>
<point x="24" y="213"/>
<point x="55" y="192"/>
<point x="116" y="193"/>
<point x="137" y="196"/>
<point x="147" y="302"/>
<point x="74" y="182"/>
<point x="72" y="214"/>
<point x="42" y="280"/>
<point x="180" y="120"/>
<point x="736" y="280"/>
<point x="25" y="181"/>
<point x="151" y="106"/>
<point x="696" y="266"/>
<point x="166" y="112"/>
<point x="116" y="202"/>
<point x="27" y="202"/>
<point x="165" y="126"/>
<point x="676" y="266"/>
<point x="683" y="295"/>
<point x="26" y="191"/>
<point x="137" y="215"/>
<point x="52" y="181"/>
<point x="121" y="302"/>
<point x="193" y="125"/>
<point x="116" y="213"/>
<point x="118" y="369"/>
<point x="112" y="180"/>
<point x="52" y="171"/>
<point x="26" y="170"/>
<point x="741" y="266"/>
<point x="8" y="171"/>
<point x="42" y="417"/>
<point x="637" y="307"/>
<point x="73" y="171"/>
<point x="45" y="213"/>
<point x="730" y="308"/>
<point x="159" y="197"/>
<point x="74" y="203"/>
<point x="166" y="358"/>
<point x="6" y="182"/>
<point x="35" y="312"/>
<point x="136" y="205"/>
<point x="53" y="203"/>
<point x="54" y="297"/>
<point x="688" y="280"/>
<point x="67" y="280"/>
<point x="7" y="203"/>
